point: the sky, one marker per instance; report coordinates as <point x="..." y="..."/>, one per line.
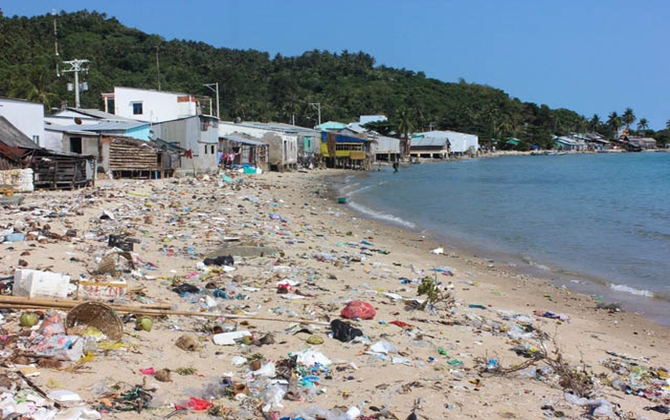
<point x="589" y="56"/>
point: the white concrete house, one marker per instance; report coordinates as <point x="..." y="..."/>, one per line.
<point x="150" y="105"/>
<point x="26" y="116"/>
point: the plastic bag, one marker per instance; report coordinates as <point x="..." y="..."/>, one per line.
<point x="273" y="397"/>
<point x="343" y="331"/>
<point x="52" y="325"/>
<point x="358" y="309"/>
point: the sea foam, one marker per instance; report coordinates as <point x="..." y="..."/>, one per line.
<point x="633" y="291"/>
<point x="380" y="215"/>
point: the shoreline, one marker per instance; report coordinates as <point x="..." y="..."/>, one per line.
<point x="334" y="255"/>
<point x="621" y="295"/>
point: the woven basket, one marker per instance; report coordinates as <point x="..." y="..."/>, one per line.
<point x="97" y="315"/>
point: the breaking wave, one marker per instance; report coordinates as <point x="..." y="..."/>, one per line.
<point x="631" y="290"/>
<point x="380" y="215"/>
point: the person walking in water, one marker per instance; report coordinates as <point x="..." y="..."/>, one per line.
<point x="395" y="166"/>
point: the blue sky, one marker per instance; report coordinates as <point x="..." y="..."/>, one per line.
<point x="590" y="56"/>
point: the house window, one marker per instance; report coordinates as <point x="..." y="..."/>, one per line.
<point x="75" y="145"/>
<point x="109" y="105"/>
<point x="212" y="147"/>
<point x="137" y="108"/>
<point x="36" y="139"/>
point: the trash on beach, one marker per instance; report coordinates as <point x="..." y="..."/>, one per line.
<point x="187" y="343"/>
<point x="309" y="357"/>
<point x="437" y="251"/>
<point x="97" y="315"/>
<point x="122" y="242"/>
<point x="106" y="215"/>
<point x="229" y="338"/>
<point x="358" y="309"/>
<point x="551" y="315"/>
<point x="220" y="260"/>
<point x="35" y="283"/>
<point x="61" y="347"/>
<point x="15" y="237"/>
<point x="382" y="347"/>
<point x="343" y="331"/>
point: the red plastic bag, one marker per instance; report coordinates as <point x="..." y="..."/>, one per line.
<point x="401" y="324"/>
<point x="358" y="309"/>
<point x="195" y="404"/>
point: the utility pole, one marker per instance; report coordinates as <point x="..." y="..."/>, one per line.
<point x="209" y="86"/>
<point x="158" y="69"/>
<point x="76" y="67"/>
<point x="317" y="106"/>
<point x="57" y="58"/>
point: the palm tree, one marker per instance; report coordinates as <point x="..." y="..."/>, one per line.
<point x="595" y="122"/>
<point x="642" y="125"/>
<point x="628" y="117"/>
<point x="614" y="122"/>
<point x="405" y="128"/>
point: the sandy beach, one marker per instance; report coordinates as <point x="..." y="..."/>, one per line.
<point x="494" y="344"/>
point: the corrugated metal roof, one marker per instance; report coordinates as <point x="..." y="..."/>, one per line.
<point x="108" y="126"/>
<point x="12" y="136"/>
<point x="428" y="141"/>
<point x="286" y="128"/>
<point x="244" y="140"/>
<point x="568" y="140"/>
<point x="102" y="115"/>
<point x="66" y="129"/>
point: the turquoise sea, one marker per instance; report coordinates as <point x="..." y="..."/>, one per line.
<point x="599" y="223"/>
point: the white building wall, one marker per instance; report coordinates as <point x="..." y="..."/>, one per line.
<point x="53" y="140"/>
<point x="386" y="145"/>
<point x="157" y="106"/>
<point x="27" y="117"/>
<point x="460" y="142"/>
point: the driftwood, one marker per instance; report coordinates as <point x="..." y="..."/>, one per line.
<point x="20" y="302"/>
<point x="33" y="302"/>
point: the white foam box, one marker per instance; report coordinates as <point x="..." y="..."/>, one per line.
<point x="102" y="290"/>
<point x="35" y="283"/>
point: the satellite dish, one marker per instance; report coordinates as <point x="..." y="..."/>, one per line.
<point x="77" y="120"/>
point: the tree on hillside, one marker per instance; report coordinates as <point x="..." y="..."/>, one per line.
<point x="614" y="123"/>
<point x="594" y="123"/>
<point x="255" y="87"/>
<point x="382" y="127"/>
<point x="642" y="125"/>
<point x="667" y="125"/>
<point x="405" y="128"/>
<point x="628" y="117"/>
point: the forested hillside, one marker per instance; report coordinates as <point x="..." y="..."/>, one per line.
<point x="255" y="86"/>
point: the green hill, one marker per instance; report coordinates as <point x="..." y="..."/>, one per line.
<point x="254" y="86"/>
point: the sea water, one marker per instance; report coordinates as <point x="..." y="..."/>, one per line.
<point x="599" y="223"/>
